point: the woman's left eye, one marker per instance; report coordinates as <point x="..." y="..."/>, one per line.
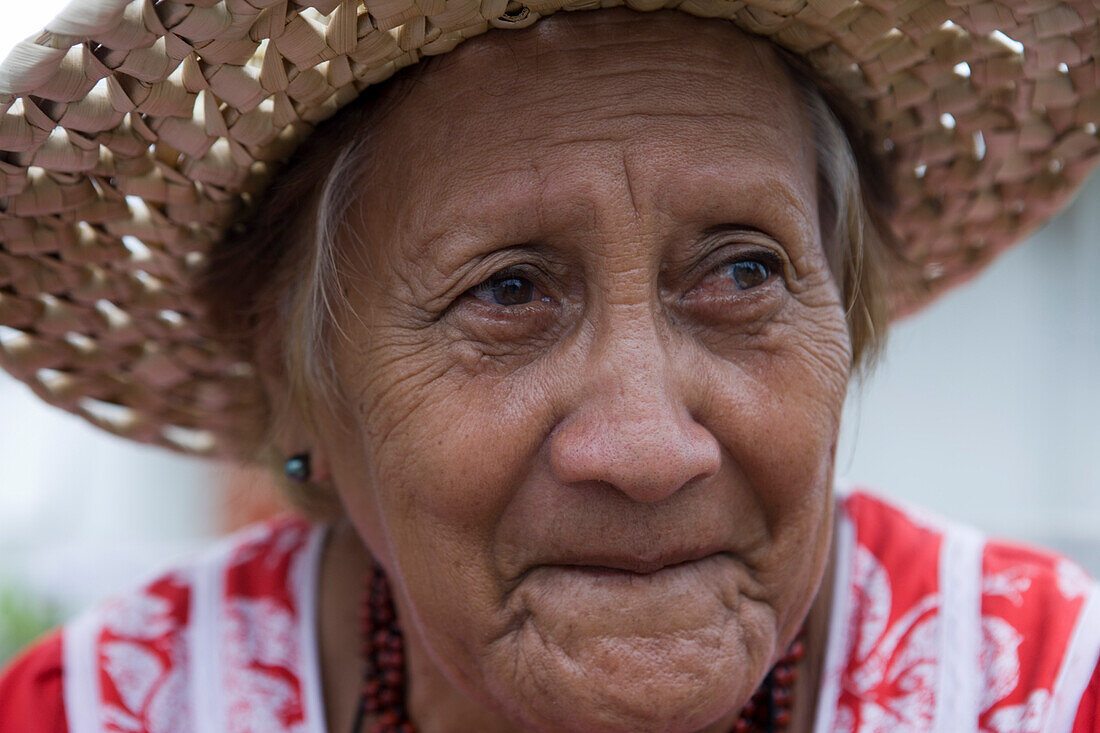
<point x="748" y="273"/>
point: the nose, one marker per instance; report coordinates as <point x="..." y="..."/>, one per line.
<point x="632" y="428"/>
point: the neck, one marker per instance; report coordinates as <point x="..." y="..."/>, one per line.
<point x="816" y="634"/>
<point x="433" y="702"/>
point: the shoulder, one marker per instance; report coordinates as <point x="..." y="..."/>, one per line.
<point x="1041" y="634"/>
<point x="1005" y="631"/>
<point x="30" y="690"/>
<point x="152" y="658"/>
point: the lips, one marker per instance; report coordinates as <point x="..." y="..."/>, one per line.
<point x="635" y="564"/>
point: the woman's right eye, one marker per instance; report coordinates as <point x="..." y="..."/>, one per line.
<point x="508" y="289"/>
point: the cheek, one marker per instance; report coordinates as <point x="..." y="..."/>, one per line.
<point x="444" y="453"/>
<point x="785" y="441"/>
<point x="449" y="452"/>
<point x="424" y="461"/>
<point x="455" y="450"/>
<point x="803" y="382"/>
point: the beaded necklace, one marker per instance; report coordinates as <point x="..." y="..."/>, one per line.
<point x="383" y="650"/>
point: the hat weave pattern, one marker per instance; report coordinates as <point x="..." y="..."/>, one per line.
<point x="133" y="132"/>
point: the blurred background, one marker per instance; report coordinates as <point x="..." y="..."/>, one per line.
<point x="986" y="409"/>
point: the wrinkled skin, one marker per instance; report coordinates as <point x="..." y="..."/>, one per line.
<point x="592" y="362"/>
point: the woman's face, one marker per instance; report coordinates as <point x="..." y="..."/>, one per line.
<point x="593" y="363"/>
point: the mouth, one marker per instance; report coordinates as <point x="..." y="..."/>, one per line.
<point x="624" y="585"/>
<point x="632" y="565"/>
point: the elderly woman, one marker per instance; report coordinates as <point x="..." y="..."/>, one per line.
<point x="552" y="333"/>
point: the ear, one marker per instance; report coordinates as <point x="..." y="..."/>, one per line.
<point x="292" y="438"/>
<point x="292" y="432"/>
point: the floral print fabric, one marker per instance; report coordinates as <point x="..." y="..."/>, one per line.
<point x="221" y="646"/>
<point x="1028" y="612"/>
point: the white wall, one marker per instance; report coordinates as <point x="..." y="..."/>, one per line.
<point x="987" y="406"/>
<point x="82" y="512"/>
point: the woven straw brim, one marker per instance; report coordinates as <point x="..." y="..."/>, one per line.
<point x="132" y="132"/>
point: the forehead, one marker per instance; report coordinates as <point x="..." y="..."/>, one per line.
<point x="685" y="105"/>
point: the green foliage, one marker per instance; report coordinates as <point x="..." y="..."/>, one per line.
<point x="23" y="617"/>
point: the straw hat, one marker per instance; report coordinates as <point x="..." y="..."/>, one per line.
<point x="134" y="130"/>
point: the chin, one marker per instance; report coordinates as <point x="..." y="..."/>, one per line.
<point x="634" y="685"/>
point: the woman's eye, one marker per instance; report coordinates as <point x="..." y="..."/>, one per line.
<point x="747" y="274"/>
<point x="507" y="289"/>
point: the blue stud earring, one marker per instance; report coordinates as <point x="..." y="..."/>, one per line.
<point x="297" y="468"/>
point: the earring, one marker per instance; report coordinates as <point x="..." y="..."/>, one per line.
<point x="297" y="468"/>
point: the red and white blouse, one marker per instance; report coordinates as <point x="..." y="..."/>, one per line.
<point x="933" y="628"/>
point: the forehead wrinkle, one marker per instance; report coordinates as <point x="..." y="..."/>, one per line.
<point x="538" y="203"/>
<point x="570" y="42"/>
<point x="674" y="89"/>
<point x="556" y="115"/>
<point x="490" y="139"/>
<point x="549" y="59"/>
<point x="535" y="181"/>
<point x="643" y="97"/>
<point x="467" y="221"/>
<point x="625" y="126"/>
